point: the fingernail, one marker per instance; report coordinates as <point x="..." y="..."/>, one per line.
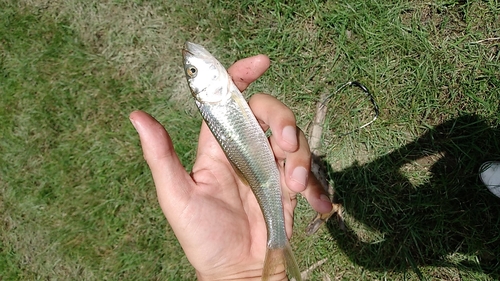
<point x="135" y="124"/>
<point x="299" y="175"/>
<point x="289" y="135"/>
<point x="325" y="198"/>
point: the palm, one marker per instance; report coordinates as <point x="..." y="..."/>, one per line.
<point x="226" y="210"/>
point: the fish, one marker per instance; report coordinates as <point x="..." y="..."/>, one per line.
<point x="231" y="121"/>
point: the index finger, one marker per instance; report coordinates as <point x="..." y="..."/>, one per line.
<point x="247" y="70"/>
<point x="274" y="114"/>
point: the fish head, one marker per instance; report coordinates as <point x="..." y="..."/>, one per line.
<point x="207" y="78"/>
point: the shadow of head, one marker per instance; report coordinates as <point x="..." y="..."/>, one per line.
<point x="423" y="204"/>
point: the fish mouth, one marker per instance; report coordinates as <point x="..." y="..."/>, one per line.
<point x="195" y="50"/>
<point x="189" y="49"/>
<point x="186" y="52"/>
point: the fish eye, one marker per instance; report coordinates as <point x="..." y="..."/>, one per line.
<point x="191" y="71"/>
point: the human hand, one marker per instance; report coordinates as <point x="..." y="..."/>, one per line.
<point x="216" y="217"/>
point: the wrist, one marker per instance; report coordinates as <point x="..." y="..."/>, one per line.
<point x="252" y="275"/>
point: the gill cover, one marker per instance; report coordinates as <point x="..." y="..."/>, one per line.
<point x="207" y="78"/>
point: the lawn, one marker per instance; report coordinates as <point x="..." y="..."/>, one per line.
<point x="77" y="201"/>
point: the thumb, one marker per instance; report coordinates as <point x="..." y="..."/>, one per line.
<point x="171" y="179"/>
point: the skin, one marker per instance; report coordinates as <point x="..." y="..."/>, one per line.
<point x="215" y="217"/>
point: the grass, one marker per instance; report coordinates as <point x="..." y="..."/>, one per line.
<point x="77" y="200"/>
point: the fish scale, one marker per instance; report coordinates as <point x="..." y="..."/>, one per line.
<point x="246" y="146"/>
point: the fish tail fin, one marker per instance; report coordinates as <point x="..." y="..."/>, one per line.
<point x="278" y="260"/>
<point x="291" y="264"/>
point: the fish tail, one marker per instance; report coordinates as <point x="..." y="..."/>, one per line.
<point x="278" y="260"/>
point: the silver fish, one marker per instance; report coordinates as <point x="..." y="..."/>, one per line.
<point x="247" y="148"/>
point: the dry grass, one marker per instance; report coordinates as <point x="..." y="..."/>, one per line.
<point x="140" y="39"/>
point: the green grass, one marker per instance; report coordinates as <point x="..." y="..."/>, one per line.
<point x="78" y="202"/>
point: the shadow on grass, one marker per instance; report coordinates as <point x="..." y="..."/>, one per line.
<point x="440" y="221"/>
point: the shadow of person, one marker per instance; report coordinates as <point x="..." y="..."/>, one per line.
<point x="440" y="215"/>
